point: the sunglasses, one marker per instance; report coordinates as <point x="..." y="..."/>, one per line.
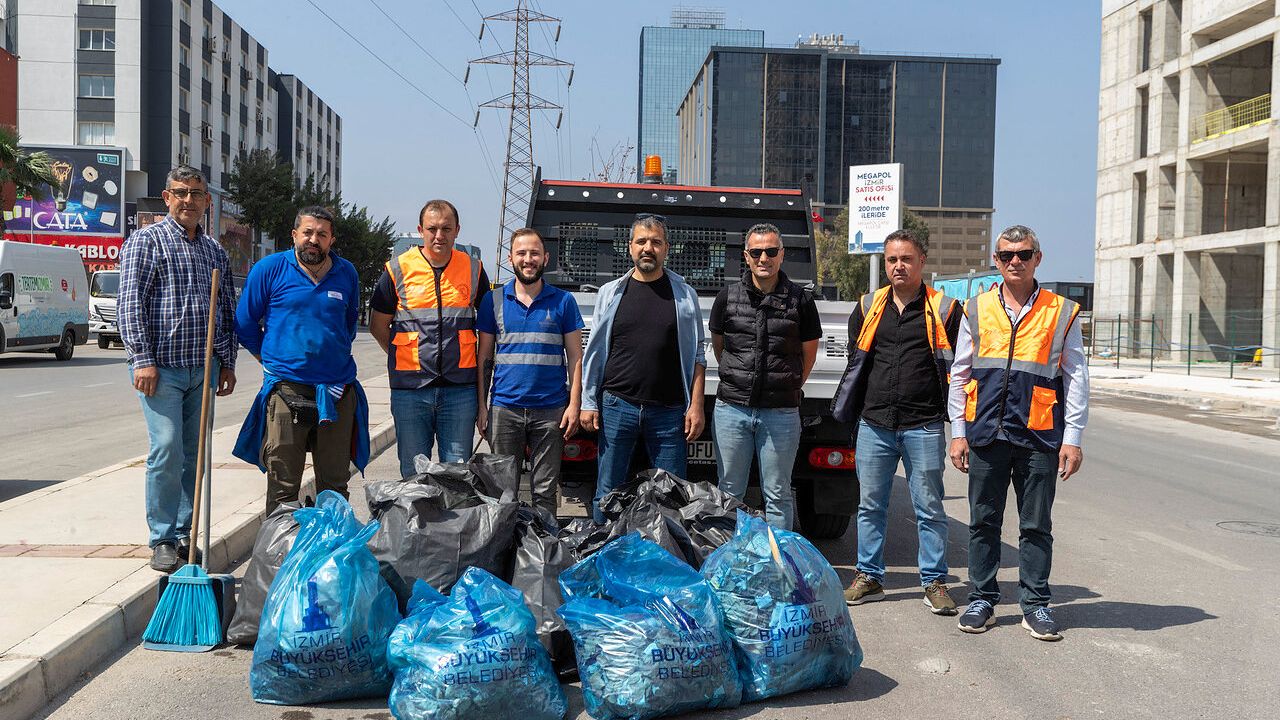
<point x="755" y="253"/>
<point x="651" y="216"/>
<point x="1008" y="255"/>
<point x="184" y="193"/>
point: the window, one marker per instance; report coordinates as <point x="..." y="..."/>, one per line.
<point x="204" y="111"/>
<point x="208" y="71"/>
<point x="97" y="133"/>
<point x="184" y="99"/>
<point x="97" y="39"/>
<point x="97" y="2"/>
<point x="185" y="12"/>
<point x="184" y="56"/>
<point x="268" y="123"/>
<point x="97" y="86"/>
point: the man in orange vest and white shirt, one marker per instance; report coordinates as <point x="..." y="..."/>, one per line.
<point x="1019" y="401"/>
<point x="423" y="314"/>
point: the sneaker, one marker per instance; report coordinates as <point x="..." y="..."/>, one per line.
<point x="1041" y="625"/>
<point x="864" y="589"/>
<point x="937" y="597"/>
<point x="164" y="557"/>
<point x="184" y="552"/>
<point x="977" y="617"/>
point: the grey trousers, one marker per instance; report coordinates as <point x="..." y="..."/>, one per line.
<point x="511" y="430"/>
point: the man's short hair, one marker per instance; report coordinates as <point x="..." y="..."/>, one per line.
<point x="763" y="228"/>
<point x="650" y="221"/>
<point x="522" y="232"/>
<point x="186" y="174"/>
<point x="1017" y="234"/>
<point x="317" y="212"/>
<point x="440" y="206"/>
<point x="905" y="235"/>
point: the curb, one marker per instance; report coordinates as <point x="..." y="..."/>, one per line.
<point x="43" y="666"/>
<point x="1189" y="400"/>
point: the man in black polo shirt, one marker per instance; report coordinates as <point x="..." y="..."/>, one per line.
<point x="901" y="347"/>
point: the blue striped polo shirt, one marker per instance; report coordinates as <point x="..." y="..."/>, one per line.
<point x="529" y="360"/>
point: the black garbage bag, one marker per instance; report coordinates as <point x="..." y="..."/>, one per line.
<point x="688" y="519"/>
<point x="434" y="525"/>
<point x="275" y="537"/>
<point x="540" y="557"/>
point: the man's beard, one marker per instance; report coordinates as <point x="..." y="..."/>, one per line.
<point x="537" y="275"/>
<point x="312" y="256"/>
<point x="651" y="260"/>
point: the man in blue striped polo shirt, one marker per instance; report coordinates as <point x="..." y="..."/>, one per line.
<point x="537" y="369"/>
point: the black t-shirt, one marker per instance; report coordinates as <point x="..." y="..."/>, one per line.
<point x="903" y="387"/>
<point x="384" y="293"/>
<point x="644" y="347"/>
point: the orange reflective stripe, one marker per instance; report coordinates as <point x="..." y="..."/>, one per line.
<point x="871" y="318"/>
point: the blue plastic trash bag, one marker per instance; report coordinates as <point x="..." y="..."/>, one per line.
<point x="784" y="610"/>
<point x="324" y="627"/>
<point x="474" y="654"/>
<point x="647" y="631"/>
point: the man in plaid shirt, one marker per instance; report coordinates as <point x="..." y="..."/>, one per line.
<point x="166" y="272"/>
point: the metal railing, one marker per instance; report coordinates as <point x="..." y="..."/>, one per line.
<point x="1228" y="345"/>
<point x="1254" y="111"/>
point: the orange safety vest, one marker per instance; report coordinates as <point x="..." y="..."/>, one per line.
<point x="433" y="333"/>
<point x="846" y="406"/>
<point x="1015" y="392"/>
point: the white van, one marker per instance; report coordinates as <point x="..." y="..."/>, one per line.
<point x="104" y="286"/>
<point x="44" y="299"/>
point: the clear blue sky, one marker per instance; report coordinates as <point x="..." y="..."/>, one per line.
<point x="400" y="149"/>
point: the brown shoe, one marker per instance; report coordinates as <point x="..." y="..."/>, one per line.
<point x="939" y="599"/>
<point x="864" y="589"/>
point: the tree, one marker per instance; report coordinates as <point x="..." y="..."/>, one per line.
<point x="264" y="188"/>
<point x="914" y="223"/>
<point x="30" y="173"/>
<point x="365" y="242"/>
<point x="848" y="272"/>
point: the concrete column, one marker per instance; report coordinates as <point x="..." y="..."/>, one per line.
<point x="1190" y="198"/>
<point x="1271" y="303"/>
<point x="1215" y="287"/>
<point x="1186" y="299"/>
<point x="1273" y="177"/>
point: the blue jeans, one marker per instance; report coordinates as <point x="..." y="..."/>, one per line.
<point x="446" y="413"/>
<point x="1033" y="474"/>
<point x="770" y="434"/>
<point x="173" y="429"/>
<point x="921" y="451"/>
<point x="622" y="425"/>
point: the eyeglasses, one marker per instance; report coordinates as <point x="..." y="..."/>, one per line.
<point x="755" y="253"/>
<point x="184" y="193"/>
<point x="651" y="216"/>
<point x="1023" y="255"/>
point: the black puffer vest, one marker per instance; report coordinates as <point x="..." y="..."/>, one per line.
<point x="762" y="362"/>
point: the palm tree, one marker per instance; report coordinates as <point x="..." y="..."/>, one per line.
<point x="30" y="173"/>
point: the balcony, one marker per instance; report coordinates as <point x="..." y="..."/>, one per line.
<point x="1253" y="111"/>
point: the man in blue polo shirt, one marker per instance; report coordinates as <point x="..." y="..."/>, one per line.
<point x="297" y="315"/>
<point x="537" y="369"/>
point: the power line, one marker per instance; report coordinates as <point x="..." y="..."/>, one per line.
<point x="414" y="40"/>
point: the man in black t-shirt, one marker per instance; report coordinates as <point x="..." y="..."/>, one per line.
<point x="764" y="331"/>
<point x="643" y="367"/>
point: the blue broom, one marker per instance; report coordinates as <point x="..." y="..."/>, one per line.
<point x="187" y="618"/>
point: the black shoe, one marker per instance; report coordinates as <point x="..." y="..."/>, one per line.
<point x="164" y="557"/>
<point x="184" y="551"/>
<point x="979" y="616"/>
<point x="1041" y="625"/>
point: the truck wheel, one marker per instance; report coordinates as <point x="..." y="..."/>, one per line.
<point x="823" y="526"/>
<point x="104" y="342"/>
<point x="67" y="347"/>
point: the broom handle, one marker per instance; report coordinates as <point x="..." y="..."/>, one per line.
<point x="201" y="448"/>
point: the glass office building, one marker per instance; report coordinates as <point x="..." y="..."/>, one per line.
<point x="669" y="58"/>
<point x="799" y="117"/>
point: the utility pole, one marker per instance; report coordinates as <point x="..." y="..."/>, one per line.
<point x="517" y="181"/>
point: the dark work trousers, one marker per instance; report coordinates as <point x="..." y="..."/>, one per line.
<point x="511" y="430"/>
<point x="284" y="450"/>
<point x="1033" y="474"/>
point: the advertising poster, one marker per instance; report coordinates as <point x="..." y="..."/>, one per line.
<point x="875" y="205"/>
<point x="963" y="288"/>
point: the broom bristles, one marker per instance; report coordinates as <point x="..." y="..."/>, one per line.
<point x="187" y="613"/>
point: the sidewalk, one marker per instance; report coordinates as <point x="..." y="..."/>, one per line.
<point x="1251" y="395"/>
<point x="75" y="561"/>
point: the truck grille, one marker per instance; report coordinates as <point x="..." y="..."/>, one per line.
<point x="836" y="346"/>
<point x="106" y="312"/>
<point x="697" y="254"/>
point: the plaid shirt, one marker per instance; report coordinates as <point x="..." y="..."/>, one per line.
<point x="164" y="297"/>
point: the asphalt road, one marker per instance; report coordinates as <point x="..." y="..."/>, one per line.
<point x="1164" y="579"/>
<point x="61" y="420"/>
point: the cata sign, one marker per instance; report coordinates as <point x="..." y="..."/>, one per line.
<point x="875" y="205"/>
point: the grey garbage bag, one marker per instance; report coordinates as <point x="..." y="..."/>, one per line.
<point x="540" y="557"/>
<point x="434" y="525"/>
<point x="275" y="537"/>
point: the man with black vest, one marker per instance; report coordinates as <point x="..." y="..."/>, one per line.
<point x="764" y="331"/>
<point x="895" y="392"/>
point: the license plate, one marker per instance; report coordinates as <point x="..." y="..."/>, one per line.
<point x="702" y="452"/>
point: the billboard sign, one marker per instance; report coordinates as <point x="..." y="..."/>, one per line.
<point x="87" y="199"/>
<point x="963" y="288"/>
<point x="875" y="205"/>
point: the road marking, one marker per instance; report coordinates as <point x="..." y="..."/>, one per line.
<point x="99" y="384"/>
<point x="35" y="394"/>
<point x="1188" y="550"/>
<point x="1211" y="459"/>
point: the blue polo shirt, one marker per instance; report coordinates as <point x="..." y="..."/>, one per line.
<point x="529" y="373"/>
